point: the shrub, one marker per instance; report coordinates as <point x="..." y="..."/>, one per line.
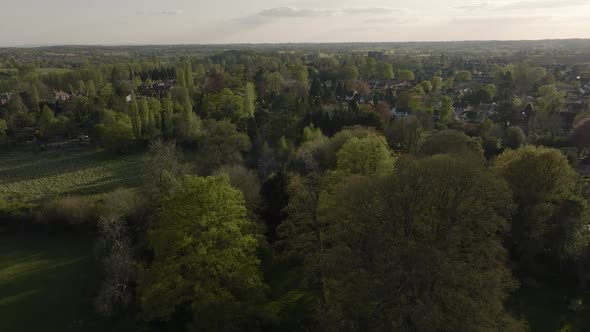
<point x="72" y="211"/>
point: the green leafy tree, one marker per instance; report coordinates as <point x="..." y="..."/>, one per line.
<point x="249" y="107"/>
<point x="451" y="142"/>
<point x="247" y="182"/>
<point x="163" y="169"/>
<point x="116" y="131"/>
<point x="144" y="115"/>
<point x="181" y="77"/>
<point x="91" y="89"/>
<point x="81" y="87"/>
<point x="437" y="83"/>
<point x="405" y="75"/>
<point x="446" y="110"/>
<point x="514" y="137"/>
<point x="167" y="117"/>
<point x="299" y="72"/>
<point x="551" y="99"/>
<point x="135" y="119"/>
<point x="426" y="86"/>
<point x="491" y="92"/>
<point x="312" y="134"/>
<point x="3" y="128"/>
<point x="369" y="68"/>
<point x="222" y="144"/>
<point x="463" y="76"/>
<point x="16" y="105"/>
<point x="302" y="236"/>
<point x="543" y="184"/>
<point x="188" y="76"/>
<point x="405" y="134"/>
<point x="385" y="71"/>
<point x="581" y="134"/>
<point x="106" y="92"/>
<point x="365" y="156"/>
<point x="155" y="115"/>
<point x="46" y="122"/>
<point x="394" y="246"/>
<point x="226" y="105"/>
<point x="274" y="82"/>
<point x="184" y="107"/>
<point x="204" y="257"/>
<point x="526" y="78"/>
<point x="35" y="100"/>
<point x="349" y="72"/>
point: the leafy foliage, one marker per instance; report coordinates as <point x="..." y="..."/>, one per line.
<point x="204" y="256"/>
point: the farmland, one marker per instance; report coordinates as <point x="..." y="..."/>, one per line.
<point x="35" y="176"/>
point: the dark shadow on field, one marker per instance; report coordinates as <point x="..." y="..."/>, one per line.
<point x="549" y="308"/>
<point x="47" y="283"/>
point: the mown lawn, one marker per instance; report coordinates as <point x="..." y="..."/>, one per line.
<point x="47" y="283"/>
<point x="33" y="176"/>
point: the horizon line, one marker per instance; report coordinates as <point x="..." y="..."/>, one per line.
<point x="283" y="43"/>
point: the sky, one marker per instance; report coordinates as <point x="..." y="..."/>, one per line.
<point x="107" y="22"/>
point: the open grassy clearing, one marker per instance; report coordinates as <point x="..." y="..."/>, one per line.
<point x="549" y="309"/>
<point x="47" y="283"/>
<point x="35" y="176"/>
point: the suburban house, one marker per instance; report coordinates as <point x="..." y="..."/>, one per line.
<point x="5" y="97"/>
<point x="61" y="95"/>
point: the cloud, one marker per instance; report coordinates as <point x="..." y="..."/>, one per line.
<point x="529" y="4"/>
<point x="268" y="15"/>
<point x="373" y="11"/>
<point x="291" y="12"/>
<point x="523" y="4"/>
<point x="171" y="12"/>
<point x="271" y="14"/>
<point x="387" y="21"/>
<point x="491" y="20"/>
<point x="474" y="6"/>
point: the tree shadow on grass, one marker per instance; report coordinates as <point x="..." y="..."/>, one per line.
<point x="55" y="165"/>
<point x="47" y="284"/>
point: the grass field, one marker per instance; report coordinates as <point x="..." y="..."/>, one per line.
<point x="47" y="283"/>
<point x="548" y="309"/>
<point x="36" y="176"/>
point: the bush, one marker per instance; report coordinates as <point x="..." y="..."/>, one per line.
<point x="514" y="137"/>
<point x="116" y="137"/>
<point x="71" y="211"/>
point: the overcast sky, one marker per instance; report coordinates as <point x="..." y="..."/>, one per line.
<point x="26" y="22"/>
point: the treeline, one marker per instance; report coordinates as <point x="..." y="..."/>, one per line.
<point x="344" y="234"/>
